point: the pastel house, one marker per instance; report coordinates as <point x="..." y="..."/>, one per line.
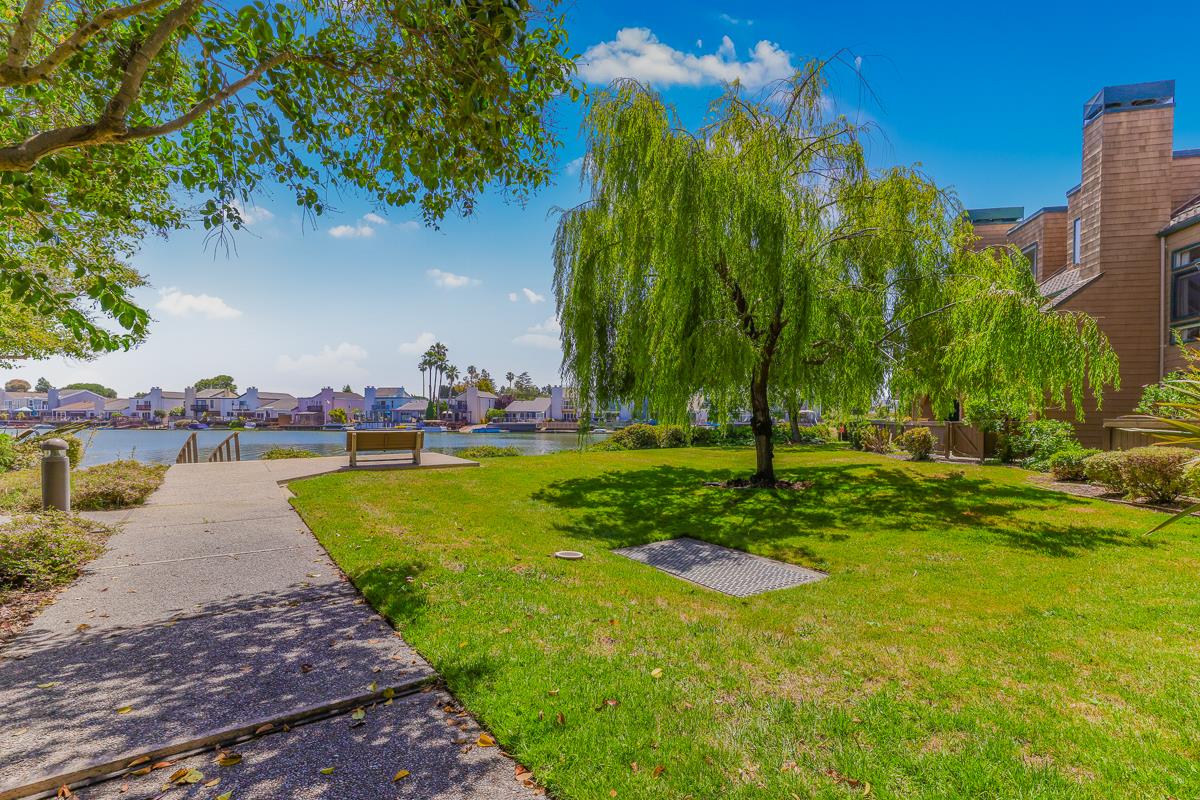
<point x="316" y="408"/>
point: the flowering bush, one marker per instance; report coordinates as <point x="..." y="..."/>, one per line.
<point x="876" y="439"/>
<point x="1105" y="469"/>
<point x="1159" y="474"/>
<point x="917" y="442"/>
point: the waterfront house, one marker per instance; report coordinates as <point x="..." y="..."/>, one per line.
<point x="535" y="410"/>
<point x="259" y="406"/>
<point x="471" y="406"/>
<point x="155" y="400"/>
<point x="1125" y="246"/>
<point x="211" y="403"/>
<point x="412" y="411"/>
<point x="315" y="410"/>
<point x="381" y="403"/>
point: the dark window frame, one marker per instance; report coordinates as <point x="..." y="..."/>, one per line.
<point x="1191" y="264"/>
<point x="1033" y="259"/>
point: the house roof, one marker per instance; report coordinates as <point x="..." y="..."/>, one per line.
<point x="1062" y="285"/>
<point x="416" y="404"/>
<point x="173" y="395"/>
<point x="391" y="391"/>
<point x="209" y="394"/>
<point x="83" y="405"/>
<point x="116" y="404"/>
<point x="1184" y="216"/>
<point x="283" y="402"/>
<point x="24" y="395"/>
<point x="535" y="405"/>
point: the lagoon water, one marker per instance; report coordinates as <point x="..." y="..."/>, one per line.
<point x="161" y="447"/>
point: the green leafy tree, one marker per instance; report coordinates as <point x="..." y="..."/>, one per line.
<point x="99" y="389"/>
<point x="347" y="388"/>
<point x="338" y="415"/>
<point x="759" y="254"/>
<point x="42" y="385"/>
<point x="217" y="382"/>
<point x="113" y="114"/>
<point x="16" y="385"/>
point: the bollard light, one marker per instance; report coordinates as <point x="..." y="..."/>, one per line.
<point x="56" y="475"/>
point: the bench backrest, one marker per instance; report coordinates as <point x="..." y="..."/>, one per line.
<point x="385" y="440"/>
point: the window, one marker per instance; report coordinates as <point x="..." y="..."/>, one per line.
<point x="1187" y="257"/>
<point x="1076" y="237"/>
<point x="1031" y="253"/>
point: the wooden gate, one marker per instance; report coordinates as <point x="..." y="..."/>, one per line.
<point x="966" y="441"/>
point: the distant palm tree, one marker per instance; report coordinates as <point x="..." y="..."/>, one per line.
<point x="509" y="376"/>
<point x="452" y="376"/>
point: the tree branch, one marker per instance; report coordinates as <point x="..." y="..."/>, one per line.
<point x="739" y="300"/>
<point x="22" y="36"/>
<point x="113" y="118"/>
<point x="16" y="73"/>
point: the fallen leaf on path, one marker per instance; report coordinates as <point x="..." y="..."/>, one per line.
<point x="389" y="693"/>
<point x="138" y="760"/>
<point x="372" y="686"/>
<point x="327" y="771"/>
<point x="225" y="796"/>
<point x="656" y="672"/>
<point x="659" y="770"/>
<point x="261" y="729"/>
<point x="161" y="764"/>
<point x="124" y="709"/>
<point x="359" y="713"/>
<point x="140" y="772"/>
<point x="212" y="783"/>
<point x="64" y="791"/>
<point x="401" y="775"/>
<point x="192" y="776"/>
<point x="227" y="758"/>
<point x="485" y="740"/>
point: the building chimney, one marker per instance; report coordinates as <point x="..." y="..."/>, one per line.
<point x="52" y="399"/>
<point x="189" y="402"/>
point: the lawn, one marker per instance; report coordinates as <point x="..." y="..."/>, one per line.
<point x="977" y="637"/>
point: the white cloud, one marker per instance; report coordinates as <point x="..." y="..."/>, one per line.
<point x="177" y="303"/>
<point x="637" y="53"/>
<point x="512" y="297"/>
<point x="732" y="20"/>
<point x="544" y="335"/>
<point x="448" y="280"/>
<point x="574" y="166"/>
<point x="410" y="225"/>
<point x="331" y="364"/>
<point x="254" y="214"/>
<point x="423" y="342"/>
<point x="374" y="219"/>
<point x="533" y="297"/>
<point x="359" y="231"/>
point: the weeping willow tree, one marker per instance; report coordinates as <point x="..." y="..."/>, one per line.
<point x="760" y="257"/>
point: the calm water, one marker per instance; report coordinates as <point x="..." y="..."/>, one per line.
<point x="163" y="446"/>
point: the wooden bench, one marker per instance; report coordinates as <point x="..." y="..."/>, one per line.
<point x="378" y="441"/>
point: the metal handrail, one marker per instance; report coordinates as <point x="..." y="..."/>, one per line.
<point x="228" y="450"/>
<point x="190" y="452"/>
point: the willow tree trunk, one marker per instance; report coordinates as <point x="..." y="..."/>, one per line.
<point x="761" y="425"/>
<point x="794" y="419"/>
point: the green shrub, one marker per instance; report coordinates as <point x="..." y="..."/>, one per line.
<point x="1158" y="474"/>
<point x="917" y="442"/>
<point x="856" y="427"/>
<point x="737" y="435"/>
<point x="635" y="437"/>
<point x="1037" y="440"/>
<point x="237" y="424"/>
<point x="703" y="436"/>
<point x="1068" y="465"/>
<point x="1105" y="469"/>
<point x="672" y="436"/>
<point x="8" y="452"/>
<point x="488" y="451"/>
<point x="287" y="452"/>
<point x="40" y="551"/>
<point x="117" y="484"/>
<point x="493" y="413"/>
<point x="877" y="439"/>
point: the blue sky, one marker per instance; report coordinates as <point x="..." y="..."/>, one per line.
<point x="985" y="100"/>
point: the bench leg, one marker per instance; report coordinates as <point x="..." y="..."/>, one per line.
<point x="417" y="457"/>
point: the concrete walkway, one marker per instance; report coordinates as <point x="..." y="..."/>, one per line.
<point x="215" y="613"/>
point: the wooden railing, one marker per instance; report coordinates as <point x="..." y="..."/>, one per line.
<point x="228" y="450"/>
<point x="190" y="452"/>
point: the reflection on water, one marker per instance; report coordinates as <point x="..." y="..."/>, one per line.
<point x="161" y="447"/>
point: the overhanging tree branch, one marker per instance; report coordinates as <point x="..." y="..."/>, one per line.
<point x="15" y="72"/>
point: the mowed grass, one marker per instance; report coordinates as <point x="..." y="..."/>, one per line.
<point x="977" y="636"/>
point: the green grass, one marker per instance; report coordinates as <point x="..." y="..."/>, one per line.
<point x="977" y="636"/>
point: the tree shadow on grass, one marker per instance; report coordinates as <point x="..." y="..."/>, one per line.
<point x="621" y="508"/>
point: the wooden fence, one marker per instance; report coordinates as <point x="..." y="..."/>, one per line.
<point x="956" y="439"/>
<point x="1124" y="433"/>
